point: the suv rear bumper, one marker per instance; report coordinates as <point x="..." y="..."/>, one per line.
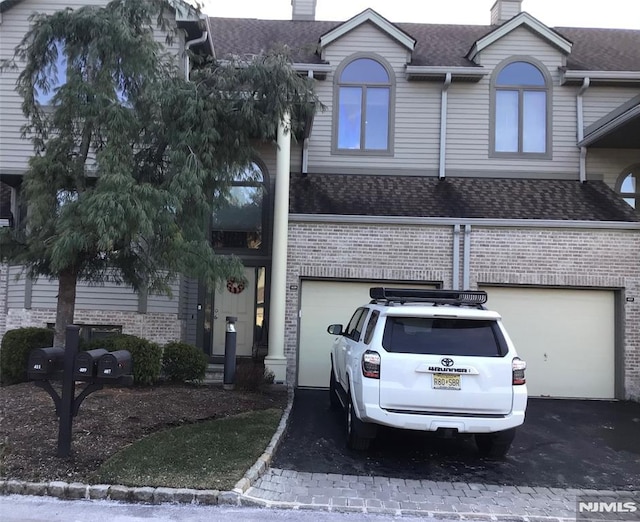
<point x="371" y="412"/>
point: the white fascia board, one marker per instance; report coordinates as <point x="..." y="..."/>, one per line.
<point x="480" y="222"/>
<point x="323" y="68"/>
<point x="523" y="19"/>
<point x="610" y="126"/>
<point x="440" y="71"/>
<point x="368" y="15"/>
<point x="622" y="77"/>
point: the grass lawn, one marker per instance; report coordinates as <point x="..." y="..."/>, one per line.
<point x="212" y="454"/>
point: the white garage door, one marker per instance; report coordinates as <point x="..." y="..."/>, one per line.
<point x="565" y="336"/>
<point x="323" y="303"/>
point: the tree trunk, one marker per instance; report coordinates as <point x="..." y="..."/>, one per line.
<point x="67" y="282"/>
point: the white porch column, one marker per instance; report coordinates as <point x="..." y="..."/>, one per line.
<point x="276" y="360"/>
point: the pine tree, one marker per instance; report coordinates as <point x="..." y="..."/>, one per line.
<point x="129" y="153"/>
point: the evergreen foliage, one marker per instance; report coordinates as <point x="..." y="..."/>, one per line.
<point x="130" y="156"/>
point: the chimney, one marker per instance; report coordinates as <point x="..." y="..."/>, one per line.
<point x="503" y="10"/>
<point x="303" y="9"/>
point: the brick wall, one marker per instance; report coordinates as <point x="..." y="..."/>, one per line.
<point x="540" y="257"/>
<point x="159" y="328"/>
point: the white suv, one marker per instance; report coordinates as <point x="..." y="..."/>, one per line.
<point x="430" y="360"/>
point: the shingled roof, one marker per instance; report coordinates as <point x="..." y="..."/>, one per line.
<point x="490" y="198"/>
<point x="437" y="44"/>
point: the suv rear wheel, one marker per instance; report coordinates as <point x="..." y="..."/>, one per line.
<point x="495" y="445"/>
<point x="355" y="427"/>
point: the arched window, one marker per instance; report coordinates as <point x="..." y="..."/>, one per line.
<point x="363" y="106"/>
<point x="628" y="186"/>
<point x="521" y="115"/>
<point x="239" y="214"/>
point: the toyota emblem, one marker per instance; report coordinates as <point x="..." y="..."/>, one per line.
<point x="447" y="362"/>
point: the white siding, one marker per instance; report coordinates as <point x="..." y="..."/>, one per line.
<point x="600" y="101"/>
<point x="15" y="287"/>
<point x="14" y="150"/>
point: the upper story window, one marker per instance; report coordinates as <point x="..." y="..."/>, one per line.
<point x="364" y="94"/>
<point x="239" y="215"/>
<point x="628" y="186"/>
<point x="55" y="75"/>
<point x="521" y="113"/>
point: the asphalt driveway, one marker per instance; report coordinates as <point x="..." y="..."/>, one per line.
<point x="563" y="443"/>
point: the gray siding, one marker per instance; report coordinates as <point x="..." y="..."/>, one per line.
<point x="15" y="287"/>
<point x="189" y="308"/>
<point x="600" y="101"/>
<point x="609" y="164"/>
<point x="163" y="304"/>
<point x="14" y="150"/>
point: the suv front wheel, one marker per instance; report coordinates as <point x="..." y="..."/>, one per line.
<point x="495" y="445"/>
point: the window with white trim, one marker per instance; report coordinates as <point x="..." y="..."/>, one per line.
<point x="363" y="106"/>
<point x="521" y="124"/>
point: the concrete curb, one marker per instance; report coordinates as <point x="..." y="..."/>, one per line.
<point x="151" y="495"/>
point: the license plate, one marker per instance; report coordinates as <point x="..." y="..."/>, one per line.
<point x="444" y="381"/>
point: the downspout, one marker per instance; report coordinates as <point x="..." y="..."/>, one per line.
<point x="305" y="143"/>
<point x="443" y="124"/>
<point x="187" y="46"/>
<point x="455" y="280"/>
<point x="466" y="258"/>
<point x="579" y="110"/>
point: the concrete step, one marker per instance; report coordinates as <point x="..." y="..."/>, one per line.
<point x="214" y="374"/>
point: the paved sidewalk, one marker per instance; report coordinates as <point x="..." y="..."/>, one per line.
<point x="459" y="500"/>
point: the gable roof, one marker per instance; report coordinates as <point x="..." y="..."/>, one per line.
<point x="436" y="44"/>
<point x="369" y="16"/>
<point x="429" y="197"/>
<point x="521" y="20"/>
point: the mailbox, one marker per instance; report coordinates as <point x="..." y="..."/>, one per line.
<point x="45" y="362"/>
<point x="114" y="365"/>
<point x="86" y="364"/>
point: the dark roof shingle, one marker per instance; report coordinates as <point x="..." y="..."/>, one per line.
<point x="436" y="44"/>
<point x="491" y="198"/>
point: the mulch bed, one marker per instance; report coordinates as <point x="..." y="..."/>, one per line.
<point x="108" y="420"/>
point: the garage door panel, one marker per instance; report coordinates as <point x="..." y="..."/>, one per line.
<point x="565" y="336"/>
<point x="323" y="303"/>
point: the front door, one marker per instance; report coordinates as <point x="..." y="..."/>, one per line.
<point x="238" y="301"/>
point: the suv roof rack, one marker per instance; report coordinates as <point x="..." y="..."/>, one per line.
<point x="418" y="295"/>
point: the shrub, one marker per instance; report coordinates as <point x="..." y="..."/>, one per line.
<point x="251" y="376"/>
<point x="146" y="356"/>
<point x="182" y="362"/>
<point x="14" y="353"/>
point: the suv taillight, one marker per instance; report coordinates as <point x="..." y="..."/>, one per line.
<point x="371" y="364"/>
<point x="518" y="366"/>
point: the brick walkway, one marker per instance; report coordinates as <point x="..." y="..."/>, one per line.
<point x="458" y="500"/>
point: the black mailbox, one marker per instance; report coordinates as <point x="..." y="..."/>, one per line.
<point x="114" y="365"/>
<point x="86" y="364"/>
<point x="44" y="362"/>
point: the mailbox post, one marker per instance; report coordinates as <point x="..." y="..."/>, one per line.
<point x="95" y="367"/>
<point x="229" y="379"/>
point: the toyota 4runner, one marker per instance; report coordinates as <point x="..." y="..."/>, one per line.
<point x="430" y="360"/>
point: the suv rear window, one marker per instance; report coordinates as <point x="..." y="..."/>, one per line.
<point x="440" y="336"/>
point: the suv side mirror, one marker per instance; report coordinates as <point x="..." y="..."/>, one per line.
<point x="335" y="329"/>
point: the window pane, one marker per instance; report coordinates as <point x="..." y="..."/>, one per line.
<point x="55" y="76"/>
<point x="350" y="117"/>
<point x="631" y="201"/>
<point x="376" y="127"/>
<point x="630" y="184"/>
<point x="534" y="121"/>
<point x="237" y="222"/>
<point x="520" y="73"/>
<point x="506" y="121"/>
<point x="364" y="70"/>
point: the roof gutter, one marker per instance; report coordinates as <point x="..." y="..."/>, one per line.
<point x="188" y="45"/>
<point x="480" y="222"/>
<point x="600" y="77"/>
<point x="605" y="129"/>
<point x="579" y="110"/>
<point x="438" y="73"/>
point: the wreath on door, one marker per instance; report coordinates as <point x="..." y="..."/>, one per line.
<point x="234" y="285"/>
